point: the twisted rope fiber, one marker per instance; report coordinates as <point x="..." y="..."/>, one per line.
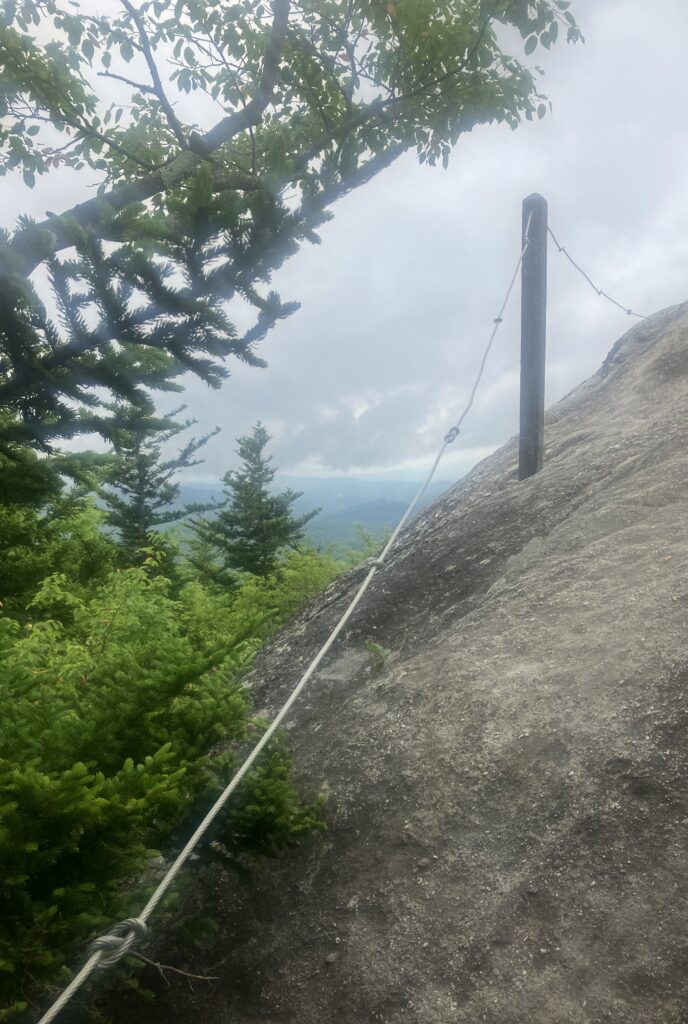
<point x="600" y="291"/>
<point x="109" y="948"/>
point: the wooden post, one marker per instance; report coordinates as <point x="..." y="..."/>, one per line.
<point x="533" y="335"/>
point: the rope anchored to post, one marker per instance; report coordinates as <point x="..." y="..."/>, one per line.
<point x="600" y="291"/>
<point x="452" y="435"/>
<point x="111" y="947"/>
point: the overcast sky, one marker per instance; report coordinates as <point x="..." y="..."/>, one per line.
<point x="398" y="300"/>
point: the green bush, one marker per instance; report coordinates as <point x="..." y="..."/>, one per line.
<point x="114" y="702"/>
<point x="65" y="536"/>
<point x="268" y="600"/>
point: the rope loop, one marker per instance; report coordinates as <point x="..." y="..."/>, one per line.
<point x="451" y="435"/>
<point x="117" y="942"/>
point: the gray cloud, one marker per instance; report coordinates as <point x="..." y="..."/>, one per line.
<point x="398" y="300"/>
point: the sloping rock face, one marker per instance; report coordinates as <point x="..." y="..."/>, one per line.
<point x="508" y="805"/>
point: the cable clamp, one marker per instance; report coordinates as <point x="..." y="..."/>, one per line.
<point x="452" y="435"/>
<point x="117" y="942"/>
<point x="498" y="320"/>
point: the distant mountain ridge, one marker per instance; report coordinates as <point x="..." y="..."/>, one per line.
<point x="345" y="527"/>
<point x="345" y="503"/>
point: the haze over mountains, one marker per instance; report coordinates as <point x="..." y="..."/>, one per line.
<point x="346" y="503"/>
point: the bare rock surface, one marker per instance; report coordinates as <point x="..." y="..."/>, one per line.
<point x="508" y="796"/>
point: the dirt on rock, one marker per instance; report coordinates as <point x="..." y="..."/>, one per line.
<point x="507" y="796"/>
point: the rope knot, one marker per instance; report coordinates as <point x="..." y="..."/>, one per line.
<point x="498" y="320"/>
<point x="376" y="563"/>
<point x="452" y="435"/>
<point x="117" y="942"/>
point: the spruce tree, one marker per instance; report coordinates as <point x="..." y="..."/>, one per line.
<point x="253" y="525"/>
<point x="140" y="492"/>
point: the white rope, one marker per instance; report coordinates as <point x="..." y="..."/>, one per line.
<point x="600" y="291"/>
<point x="111" y="947"/>
<point x="454" y="432"/>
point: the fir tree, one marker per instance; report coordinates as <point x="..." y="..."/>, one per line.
<point x="141" y="493"/>
<point x="253" y="525"/>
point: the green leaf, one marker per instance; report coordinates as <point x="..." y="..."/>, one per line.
<point x="29" y="177"/>
<point x="531" y="43"/>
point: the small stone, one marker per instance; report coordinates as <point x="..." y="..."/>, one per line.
<point x="331" y="958"/>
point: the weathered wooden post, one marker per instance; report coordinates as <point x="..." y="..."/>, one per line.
<point x="533" y="336"/>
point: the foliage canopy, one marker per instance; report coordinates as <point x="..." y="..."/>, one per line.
<point x="222" y="133"/>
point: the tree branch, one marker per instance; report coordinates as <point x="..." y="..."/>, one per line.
<point x="35" y="243"/>
<point x="167" y="967"/>
<point x="94" y="133"/>
<point x="251" y="114"/>
<point x="168" y="110"/>
<point x="127" y="81"/>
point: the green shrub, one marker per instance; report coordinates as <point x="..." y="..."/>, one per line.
<point x="65" y="536"/>
<point x="379" y="655"/>
<point x="269" y="601"/>
<point x="114" y="702"/>
<point x="302" y="573"/>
